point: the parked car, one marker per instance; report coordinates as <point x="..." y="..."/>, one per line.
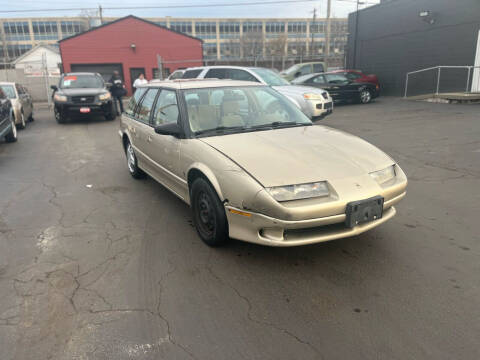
<point x="297" y="70"/>
<point x="340" y="87"/>
<point x="315" y="103"/>
<point x="82" y="94"/>
<point x="8" y="130"/>
<point x="252" y="167"/>
<point x="21" y="100"/>
<point x="358" y="76"/>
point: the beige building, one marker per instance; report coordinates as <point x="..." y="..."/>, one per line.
<point x="224" y="39"/>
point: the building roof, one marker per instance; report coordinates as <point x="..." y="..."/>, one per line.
<point x="35" y="48"/>
<point x="129" y="17"/>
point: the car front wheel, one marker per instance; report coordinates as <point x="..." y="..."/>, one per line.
<point x="208" y="213"/>
<point x="365" y="96"/>
<point x="132" y="163"/>
<point x="59" y="116"/>
<point x="22" y="125"/>
<point x="12" y="135"/>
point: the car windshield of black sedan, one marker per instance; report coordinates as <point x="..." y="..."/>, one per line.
<point x="214" y="111"/>
<point x="270" y="77"/>
<point x="9" y="91"/>
<point x="81" y="81"/>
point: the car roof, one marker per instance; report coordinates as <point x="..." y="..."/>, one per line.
<point x="199" y="83"/>
<point x="7" y="83"/>
<point x="224" y="67"/>
<point x="80" y="73"/>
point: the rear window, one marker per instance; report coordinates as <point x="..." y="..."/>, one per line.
<point x="191" y="74"/>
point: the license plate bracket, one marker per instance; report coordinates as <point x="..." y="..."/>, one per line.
<point x="362" y="211"/>
<point x="84" y="110"/>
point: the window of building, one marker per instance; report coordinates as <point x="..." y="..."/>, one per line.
<point x="275" y="27"/>
<point x="70" y="28"/>
<point x="17" y="50"/>
<point x="210" y="50"/>
<point x="230" y="50"/>
<point x="297" y="27"/>
<point x="181" y="26"/>
<point x="252" y="26"/>
<point x="16" y="30"/>
<point x="45" y="30"/>
<point x="229" y="29"/>
<point x="205" y="27"/>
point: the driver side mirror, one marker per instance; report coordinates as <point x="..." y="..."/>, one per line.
<point x="171" y="129"/>
<point x="54" y="87"/>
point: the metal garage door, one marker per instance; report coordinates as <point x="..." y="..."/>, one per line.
<point x="106" y="70"/>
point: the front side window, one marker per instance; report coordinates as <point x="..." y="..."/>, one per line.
<point x="9" y="90"/>
<point x="166" y="109"/>
<point x="318" y="68"/>
<point x="145" y="108"/>
<point x="352" y="76"/>
<point x="224" y="109"/>
<point x="191" y="74"/>
<point x="318" y="80"/>
<point x="81" y="81"/>
<point x="237" y="74"/>
<point x="216" y="74"/>
<point x="305" y="69"/>
<point x="134" y="101"/>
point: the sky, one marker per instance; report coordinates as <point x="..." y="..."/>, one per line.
<point x="340" y="8"/>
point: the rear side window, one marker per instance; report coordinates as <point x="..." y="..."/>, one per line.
<point x="134" y="101"/>
<point x="318" y="68"/>
<point x="352" y="76"/>
<point x="191" y="74"/>
<point x="318" y="80"/>
<point x="166" y="109"/>
<point x="145" y="107"/>
<point x="216" y="74"/>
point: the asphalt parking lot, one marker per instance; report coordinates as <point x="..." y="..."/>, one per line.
<point x="97" y="265"/>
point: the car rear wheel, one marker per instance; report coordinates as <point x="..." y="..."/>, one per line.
<point x="208" y="214"/>
<point x="112" y="115"/>
<point x="132" y="163"/>
<point x="365" y="96"/>
<point x="12" y="135"/>
<point x="30" y="118"/>
<point x="22" y="125"/>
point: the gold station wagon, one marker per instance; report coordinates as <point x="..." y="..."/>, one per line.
<point x="253" y="167"/>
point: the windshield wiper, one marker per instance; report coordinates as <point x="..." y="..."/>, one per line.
<point x="278" y="124"/>
<point x="219" y="129"/>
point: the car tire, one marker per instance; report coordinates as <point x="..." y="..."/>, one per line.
<point x="12" y="135"/>
<point x="132" y="163"/>
<point x="22" y="124"/>
<point x="208" y="213"/>
<point x="30" y="118"/>
<point x="59" y="117"/>
<point x="365" y="96"/>
<point x="112" y="115"/>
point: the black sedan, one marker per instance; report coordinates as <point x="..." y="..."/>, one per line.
<point x="341" y="89"/>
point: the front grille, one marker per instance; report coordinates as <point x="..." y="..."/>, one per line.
<point x="325" y="95"/>
<point x="328" y="105"/>
<point x="83" y="99"/>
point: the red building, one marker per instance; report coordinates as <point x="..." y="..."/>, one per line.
<point x="132" y="46"/>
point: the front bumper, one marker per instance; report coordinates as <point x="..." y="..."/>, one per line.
<point x="97" y="108"/>
<point x="265" y="230"/>
<point x="319" y="108"/>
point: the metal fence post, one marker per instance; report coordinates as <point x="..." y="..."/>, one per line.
<point x="468" y="78"/>
<point x="406" y="86"/>
<point x="438" y="79"/>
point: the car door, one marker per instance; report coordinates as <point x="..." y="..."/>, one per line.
<point x="164" y="150"/>
<point x="4" y="111"/>
<point x="22" y="99"/>
<point x="133" y="127"/>
<point x="28" y="102"/>
<point x="343" y="87"/>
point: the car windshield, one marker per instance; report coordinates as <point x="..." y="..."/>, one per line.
<point x="9" y="91"/>
<point x="270" y="77"/>
<point x="217" y="111"/>
<point x="303" y="78"/>
<point x="81" y="81"/>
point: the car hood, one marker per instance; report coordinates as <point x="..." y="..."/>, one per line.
<point x="82" y="91"/>
<point x="300" y="155"/>
<point x="297" y="89"/>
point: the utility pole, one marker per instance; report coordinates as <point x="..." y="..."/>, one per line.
<point x="354" y="65"/>
<point x="100" y="14"/>
<point x="311" y="32"/>
<point x="327" y="39"/>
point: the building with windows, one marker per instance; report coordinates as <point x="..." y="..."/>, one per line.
<point x="237" y="40"/>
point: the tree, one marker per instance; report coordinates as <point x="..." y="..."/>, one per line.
<point x="251" y="46"/>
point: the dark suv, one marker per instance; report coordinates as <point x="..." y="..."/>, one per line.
<point x="82" y="94"/>
<point x="7" y="120"/>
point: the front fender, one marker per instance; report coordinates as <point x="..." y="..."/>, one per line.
<point x="208" y="173"/>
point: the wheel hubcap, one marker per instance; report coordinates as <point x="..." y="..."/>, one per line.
<point x="130" y="158"/>
<point x="205" y="214"/>
<point x="14" y="129"/>
<point x="365" y="96"/>
<point x="23" y="120"/>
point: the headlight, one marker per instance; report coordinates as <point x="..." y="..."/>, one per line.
<point x="60" y="98"/>
<point x="105" y="96"/>
<point x="297" y="192"/>
<point x="382" y="176"/>
<point x="310" y="96"/>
